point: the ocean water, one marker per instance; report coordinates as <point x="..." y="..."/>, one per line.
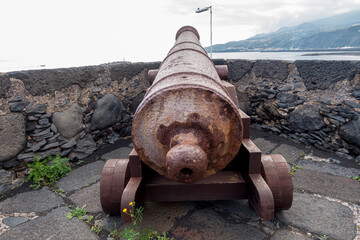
<point x="35" y="63"/>
<point x="292" y="56"/>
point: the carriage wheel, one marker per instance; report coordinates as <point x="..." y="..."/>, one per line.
<point x="115" y="176"/>
<point x="275" y="171"/>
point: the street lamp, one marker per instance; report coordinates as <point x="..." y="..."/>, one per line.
<point x="200" y="10"/>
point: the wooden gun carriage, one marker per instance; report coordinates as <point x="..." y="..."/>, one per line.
<point x="192" y="142"/>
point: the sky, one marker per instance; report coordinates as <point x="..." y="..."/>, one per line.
<point x="115" y="30"/>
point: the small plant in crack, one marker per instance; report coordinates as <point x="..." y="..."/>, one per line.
<point x="61" y="192"/>
<point x="79" y="162"/>
<point x="322" y="237"/>
<point x="293" y="168"/>
<point x="357" y="178"/>
<point x="78" y="212"/>
<point x="96" y="229"/>
<point x="90" y="219"/>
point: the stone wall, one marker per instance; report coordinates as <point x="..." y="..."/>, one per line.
<point x="313" y="102"/>
<point x="70" y="112"/>
<point x="74" y="111"/>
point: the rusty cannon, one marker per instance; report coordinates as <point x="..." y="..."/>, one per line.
<point x="192" y="142"/>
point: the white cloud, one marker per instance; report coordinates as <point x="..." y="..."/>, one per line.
<point x="135" y="30"/>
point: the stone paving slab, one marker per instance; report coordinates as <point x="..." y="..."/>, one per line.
<point x="238" y="208"/>
<point x="265" y="146"/>
<point x="163" y="215"/>
<point x="55" y="225"/>
<point x="327" y="185"/>
<point x="33" y="201"/>
<point x="206" y="224"/>
<point x="320" y="216"/>
<point x="111" y="223"/>
<point x="120" y="153"/>
<point x="125" y="146"/>
<point x="10" y="220"/>
<point x="89" y="196"/>
<point x="290" y="153"/>
<point x="14" y="221"/>
<point x="330" y="168"/>
<point x="288" y="235"/>
<point x="81" y="176"/>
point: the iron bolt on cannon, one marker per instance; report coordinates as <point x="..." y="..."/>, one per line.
<point x="192" y="142"/>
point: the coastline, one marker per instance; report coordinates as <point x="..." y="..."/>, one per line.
<point x="354" y="53"/>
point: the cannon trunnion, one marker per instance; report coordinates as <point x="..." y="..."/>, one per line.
<point x="192" y="142"/>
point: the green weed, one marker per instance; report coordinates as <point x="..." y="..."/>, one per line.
<point x="79" y="162"/>
<point x="61" y="192"/>
<point x="294" y="167"/>
<point x="78" y="212"/>
<point x="90" y="218"/>
<point x="357" y="178"/>
<point x="47" y="171"/>
<point x="322" y="237"/>
<point x="96" y="229"/>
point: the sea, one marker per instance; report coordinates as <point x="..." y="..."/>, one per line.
<point x="34" y="63"/>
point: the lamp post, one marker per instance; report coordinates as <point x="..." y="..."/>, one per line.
<point x="200" y="10"/>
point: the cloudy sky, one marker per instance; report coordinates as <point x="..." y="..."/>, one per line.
<point x="133" y="30"/>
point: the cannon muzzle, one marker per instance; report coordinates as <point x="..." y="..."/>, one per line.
<point x="186" y="161"/>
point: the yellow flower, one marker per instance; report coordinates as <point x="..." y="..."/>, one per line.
<point x="124" y="210"/>
<point x="131" y="203"/>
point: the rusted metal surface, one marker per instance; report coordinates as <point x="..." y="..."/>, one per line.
<point x="187" y="127"/>
<point x="275" y="171"/>
<point x="222" y="71"/>
<point x="260" y="197"/>
<point x="114" y="178"/>
<point x="251" y="151"/>
<point x="132" y="193"/>
<point x="233" y="186"/>
<point x="152" y="75"/>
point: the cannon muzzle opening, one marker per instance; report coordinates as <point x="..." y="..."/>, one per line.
<point x="186" y="163"/>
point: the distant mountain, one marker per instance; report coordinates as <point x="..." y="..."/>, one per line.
<point x="345" y="37"/>
<point x="337" y="31"/>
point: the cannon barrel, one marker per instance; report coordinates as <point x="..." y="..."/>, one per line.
<point x="187" y="127"/>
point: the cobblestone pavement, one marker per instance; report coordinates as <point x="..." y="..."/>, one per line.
<point x="326" y="203"/>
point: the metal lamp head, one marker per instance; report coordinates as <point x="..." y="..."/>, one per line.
<point x="200" y="10"/>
